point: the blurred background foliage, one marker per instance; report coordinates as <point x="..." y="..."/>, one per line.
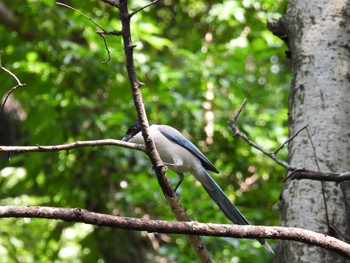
<point x="198" y="60"/>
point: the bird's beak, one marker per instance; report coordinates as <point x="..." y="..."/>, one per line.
<point x="126" y="138"/>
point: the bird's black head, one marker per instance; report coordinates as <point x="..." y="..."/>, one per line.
<point x="132" y="131"/>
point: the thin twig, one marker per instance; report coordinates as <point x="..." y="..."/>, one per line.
<point x="12" y="74"/>
<point x="233" y="125"/>
<point x="313" y="149"/>
<point x="102" y="34"/>
<point x="323" y="186"/>
<point x="19" y="84"/>
<point x="74" y="9"/>
<point x="142" y="8"/>
<point x="238" y="112"/>
<point x="98" y="32"/>
<point x="289" y="139"/>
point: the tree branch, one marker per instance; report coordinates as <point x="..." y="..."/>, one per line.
<point x="296" y="174"/>
<point x="289" y="139"/>
<point x="101" y="33"/>
<point x="19" y="84"/>
<point x="233" y="125"/>
<point x="179" y="212"/>
<point x="319" y="176"/>
<point x="70" y="146"/>
<point x="189" y="228"/>
<point x="142" y="8"/>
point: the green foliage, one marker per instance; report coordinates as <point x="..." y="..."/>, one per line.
<point x="198" y="60"/>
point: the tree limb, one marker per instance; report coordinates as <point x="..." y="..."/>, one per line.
<point x="19" y="84"/>
<point x="70" y="146"/>
<point x="233" y="125"/>
<point x="100" y="33"/>
<point x="189" y="228"/>
<point x="143" y="7"/>
<point x="319" y="176"/>
<point x="289" y="139"/>
<point x="179" y="212"/>
<point x="296" y="174"/>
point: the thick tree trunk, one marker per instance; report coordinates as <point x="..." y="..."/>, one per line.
<point x="318" y="33"/>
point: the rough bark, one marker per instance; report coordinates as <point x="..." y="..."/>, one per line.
<point x="318" y="34"/>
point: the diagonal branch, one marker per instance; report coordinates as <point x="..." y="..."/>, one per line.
<point x="233" y="125"/>
<point x="189" y="228"/>
<point x="296" y="174"/>
<point x="179" y="212"/>
<point x="289" y="139"/>
<point x="19" y="84"/>
<point x="142" y="8"/>
<point x="101" y="33"/>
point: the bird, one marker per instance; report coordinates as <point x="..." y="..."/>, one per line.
<point x="182" y="156"/>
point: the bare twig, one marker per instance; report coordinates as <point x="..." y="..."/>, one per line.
<point x="238" y="112"/>
<point x="233" y="125"/>
<point x="19" y="84"/>
<point x="322" y="182"/>
<point x="70" y="146"/>
<point x="100" y="33"/>
<point x="289" y="139"/>
<point x="190" y="228"/>
<point x="74" y="9"/>
<point x="296" y="174"/>
<point x="142" y="8"/>
<point x="313" y="149"/>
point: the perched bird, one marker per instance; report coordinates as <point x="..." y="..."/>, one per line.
<point x="182" y="156"/>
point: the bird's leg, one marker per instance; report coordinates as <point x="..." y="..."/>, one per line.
<point x="181" y="178"/>
<point x="181" y="175"/>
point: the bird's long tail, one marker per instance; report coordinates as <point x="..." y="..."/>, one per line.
<point x="230" y="211"/>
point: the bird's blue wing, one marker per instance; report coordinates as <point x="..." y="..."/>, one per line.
<point x="212" y="188"/>
<point x="175" y="136"/>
